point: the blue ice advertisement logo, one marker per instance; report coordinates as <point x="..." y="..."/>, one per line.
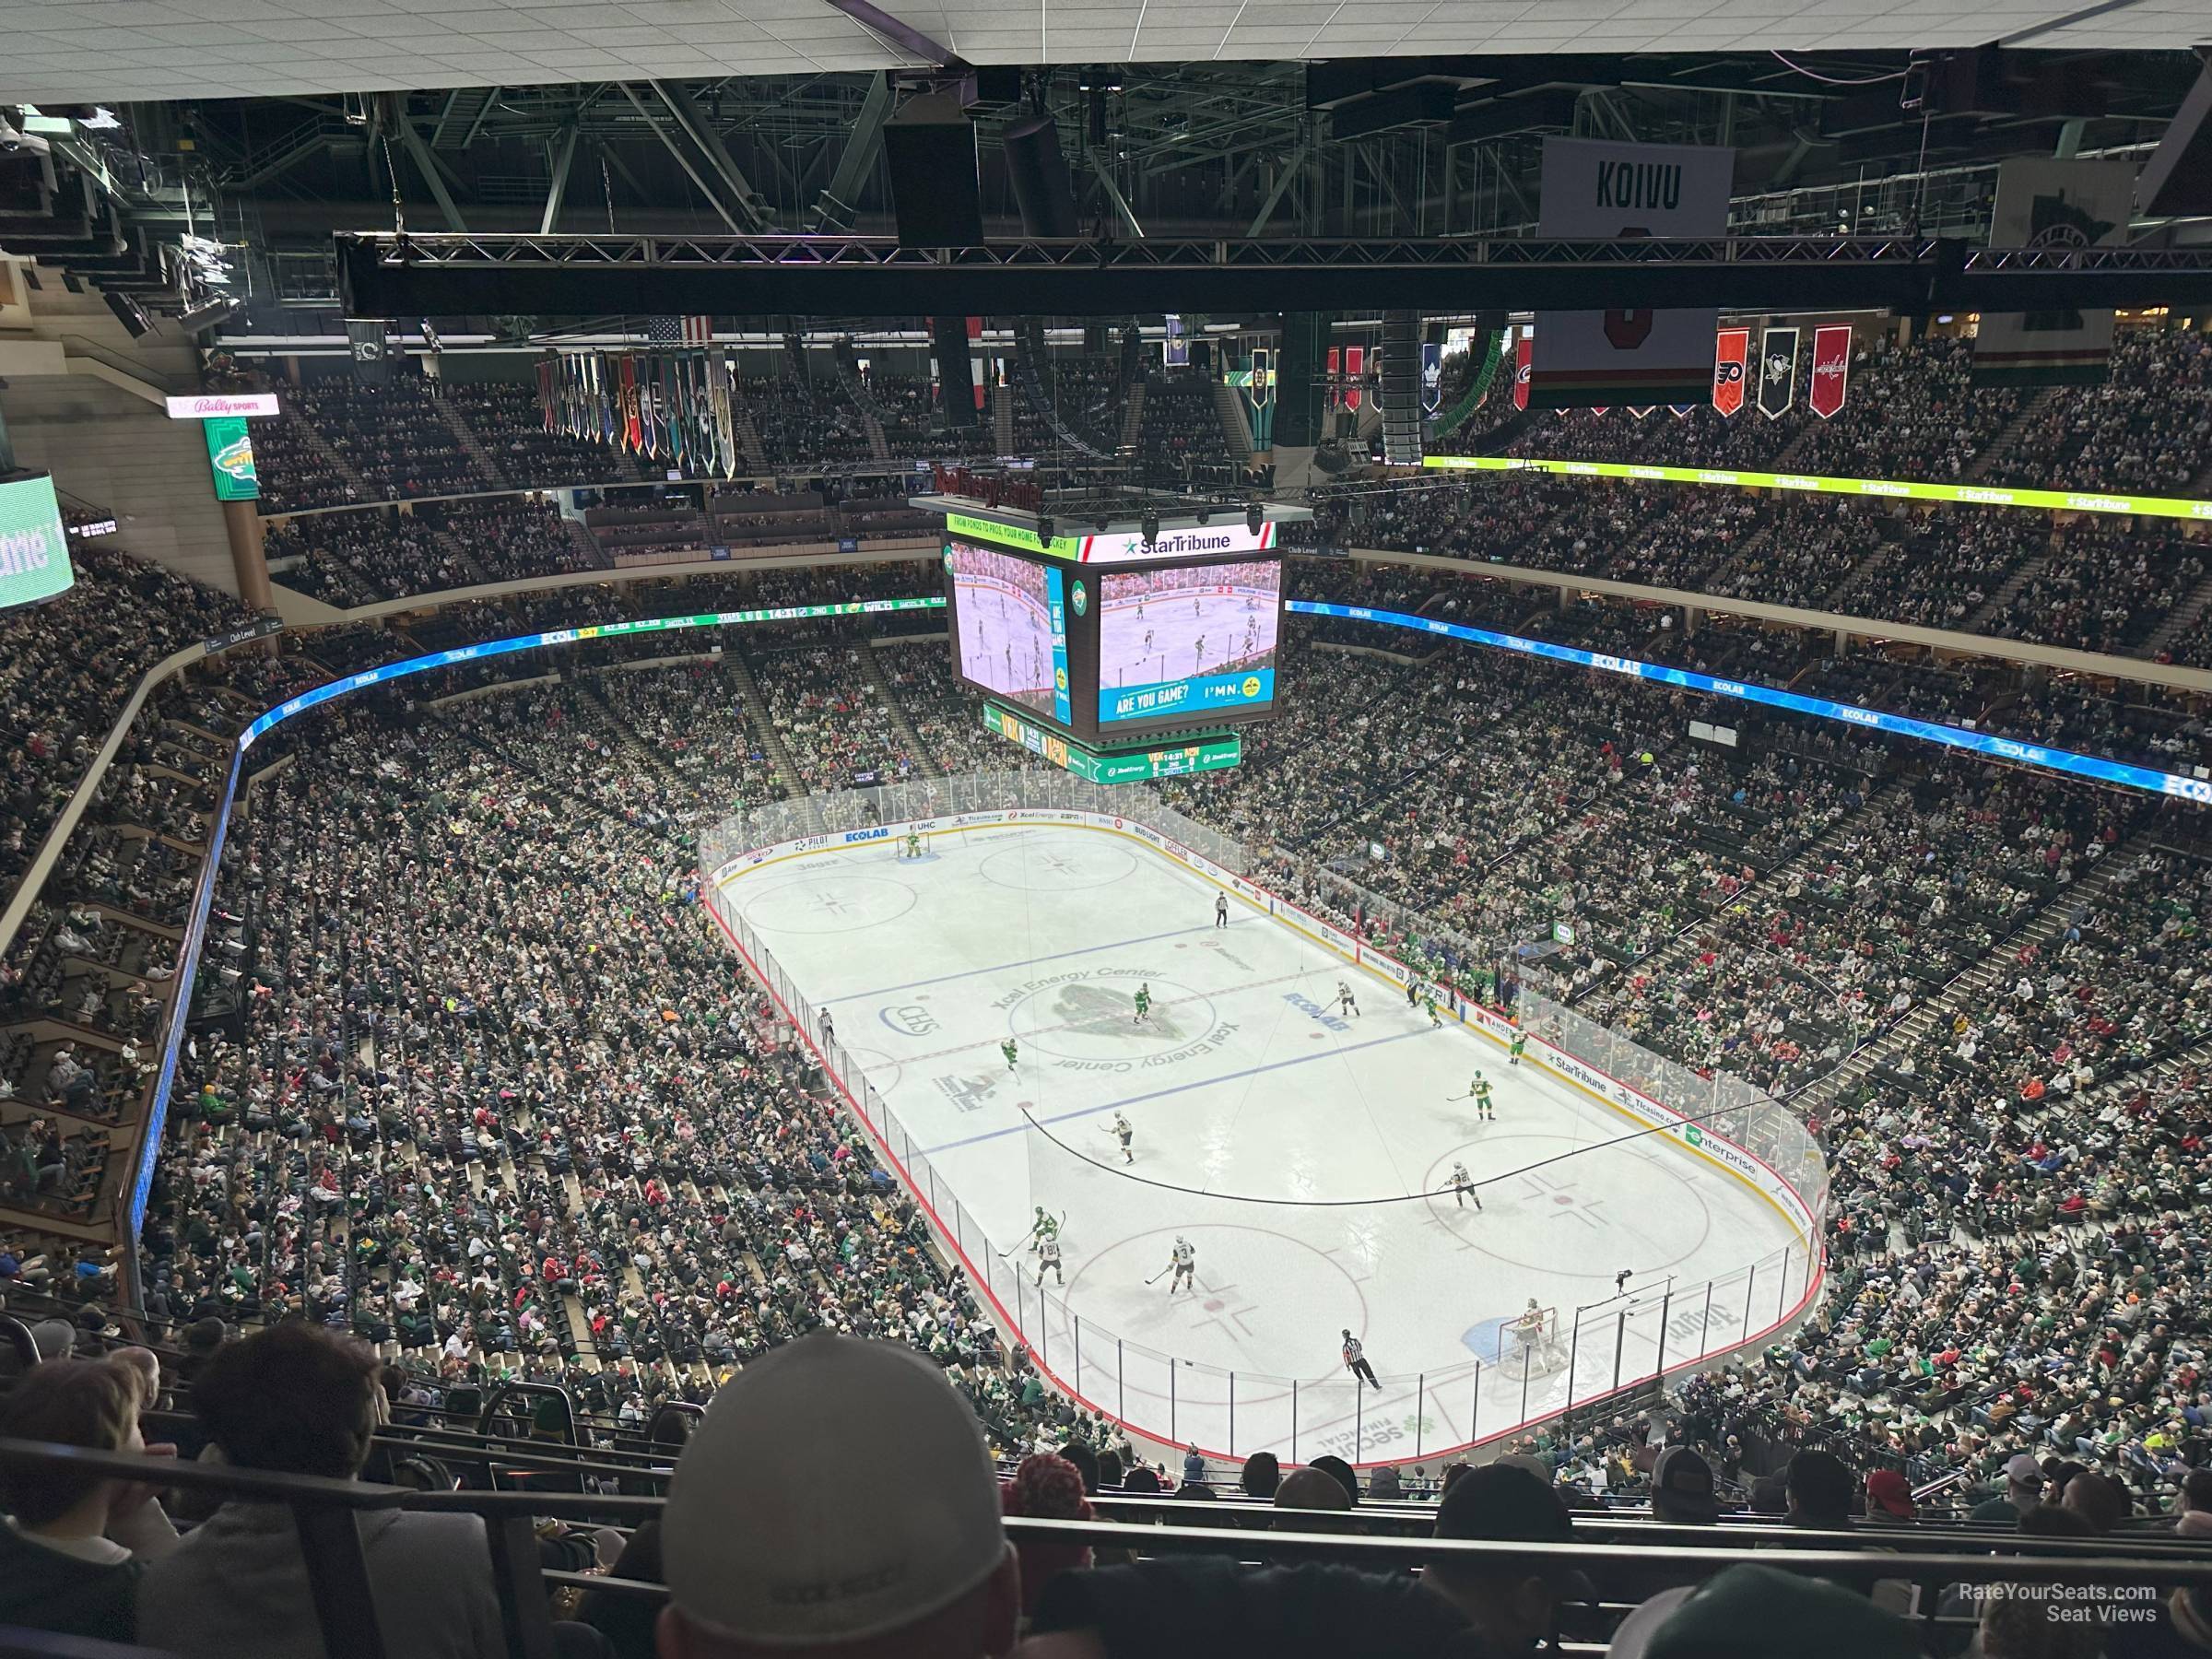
<point x="1061" y="709"/>
<point x="1198" y="694"/>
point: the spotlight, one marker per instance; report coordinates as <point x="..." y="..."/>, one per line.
<point x="1205" y="515"/>
<point x="1254" y="516"/>
<point x="1150" y="527"/>
<point x="1045" y="530"/>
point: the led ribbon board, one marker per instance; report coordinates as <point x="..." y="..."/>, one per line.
<point x="1873" y="720"/>
<point x="1902" y="489"/>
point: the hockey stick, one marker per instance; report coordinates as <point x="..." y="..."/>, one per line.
<point x="1160" y="1275"/>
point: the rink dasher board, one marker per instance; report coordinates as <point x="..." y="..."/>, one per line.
<point x="1746" y="1166"/>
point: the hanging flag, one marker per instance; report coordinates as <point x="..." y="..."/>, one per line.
<point x="1681" y="411"/>
<point x="698" y="331"/>
<point x="545" y="392"/>
<point x="1731" y="351"/>
<point x="634" y="411"/>
<point x="1433" y="377"/>
<point x="672" y="413"/>
<point x="1607" y="191"/>
<point x="1336" y="371"/>
<point x="1777" y="372"/>
<point x="725" y="414"/>
<point x="1640" y="414"/>
<point x="1831" y="369"/>
<point x="1354" y="357"/>
<point x="610" y="424"/>
<point x="2057" y="205"/>
<point x="1521" y="351"/>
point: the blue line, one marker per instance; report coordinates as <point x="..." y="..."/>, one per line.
<point x="1160" y="1094"/>
<point x="1002" y="967"/>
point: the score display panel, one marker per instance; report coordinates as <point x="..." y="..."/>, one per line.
<point x="1112" y="657"/>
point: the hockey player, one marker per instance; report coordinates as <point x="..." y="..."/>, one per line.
<point x="1148" y="639"/>
<point x="1184" y="1261"/>
<point x="1044" y="1227"/>
<point x="1220" y="910"/>
<point x="1346" y="1007"/>
<point x="1517" y="1047"/>
<point x="1480" y="1089"/>
<point x="1355" y="1361"/>
<point x="1123" y="1133"/>
<point x="1429" y="1002"/>
<point x="1199" y="655"/>
<point x="1463" y="1188"/>
<point x="1048" y="1255"/>
<point x="1144" y="1003"/>
<point x="914" y="845"/>
<point x="1012" y="1051"/>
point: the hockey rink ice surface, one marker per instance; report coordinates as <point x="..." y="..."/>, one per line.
<point x="1248" y="1085"/>
<point x="1182" y="634"/>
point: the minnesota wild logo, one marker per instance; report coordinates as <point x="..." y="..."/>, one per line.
<point x="1082" y="599"/>
<point x="1098" y="1012"/>
<point x="948" y="561"/>
<point x="235" y="460"/>
<point x="1693" y="1135"/>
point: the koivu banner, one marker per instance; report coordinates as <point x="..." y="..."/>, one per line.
<point x="1597" y="190"/>
<point x="2043" y="203"/>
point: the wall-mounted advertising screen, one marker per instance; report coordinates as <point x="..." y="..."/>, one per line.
<point x="1011" y="627"/>
<point x="34" y="545"/>
<point x="1187" y="642"/>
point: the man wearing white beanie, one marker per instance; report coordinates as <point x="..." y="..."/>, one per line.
<point x="838" y="1499"/>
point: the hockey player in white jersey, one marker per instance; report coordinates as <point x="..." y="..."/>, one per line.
<point x="1463" y="1188"/>
<point x="1184" y="1261"/>
<point x="1047" y="1256"/>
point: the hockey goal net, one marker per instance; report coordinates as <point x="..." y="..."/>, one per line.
<point x="1535" y="1338"/>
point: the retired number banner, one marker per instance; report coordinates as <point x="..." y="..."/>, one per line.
<point x="1730" y="352"/>
<point x="1831" y="369"/>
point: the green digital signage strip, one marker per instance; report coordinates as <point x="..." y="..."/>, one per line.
<point x="230" y="457"/>
<point x="1903" y="489"/>
<point x="34" y="545"/>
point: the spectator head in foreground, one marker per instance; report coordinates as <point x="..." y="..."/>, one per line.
<point x="1262" y="1474"/>
<point x="90" y="1403"/>
<point x="2196" y="1518"/>
<point x="1888" y="1496"/>
<point x="2097" y="1498"/>
<point x="1512" y="1601"/>
<point x="1755" y="1612"/>
<point x="1313" y="1491"/>
<point x="838" y="1499"/>
<point x="1046" y="1488"/>
<point x="1682" y="1490"/>
<point x="1820" y="1487"/>
<point x="292" y="1398"/>
<point x="1337" y="1470"/>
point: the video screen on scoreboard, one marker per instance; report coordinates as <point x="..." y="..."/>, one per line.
<point x="1010" y="627"/>
<point x="1189" y="641"/>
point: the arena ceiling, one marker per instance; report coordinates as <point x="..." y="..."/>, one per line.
<point x="149" y="50"/>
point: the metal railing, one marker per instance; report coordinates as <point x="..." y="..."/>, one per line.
<point x="1179" y="1398"/>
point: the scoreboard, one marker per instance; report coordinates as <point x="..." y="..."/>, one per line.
<point x="1113" y="639"/>
<point x="1199" y="752"/>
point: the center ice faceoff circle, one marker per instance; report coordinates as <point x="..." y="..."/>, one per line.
<point x="1087" y="1016"/>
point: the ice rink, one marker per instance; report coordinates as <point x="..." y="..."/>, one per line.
<point x="1170" y="635"/>
<point x="1006" y="643"/>
<point x="1304" y="1154"/>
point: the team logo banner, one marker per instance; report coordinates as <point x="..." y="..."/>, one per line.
<point x="2059" y="205"/>
<point x="1596" y="190"/>
<point x="1731" y="355"/>
<point x="1831" y="369"/>
<point x="1432" y="378"/>
<point x="1777" y="372"/>
<point x="1522" y="351"/>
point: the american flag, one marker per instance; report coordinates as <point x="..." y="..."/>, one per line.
<point x="679" y="331"/>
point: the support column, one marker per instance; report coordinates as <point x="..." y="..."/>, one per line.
<point x="1692" y="616"/>
<point x="242" y="523"/>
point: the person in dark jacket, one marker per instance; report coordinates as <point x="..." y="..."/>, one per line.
<point x="73" y="1547"/>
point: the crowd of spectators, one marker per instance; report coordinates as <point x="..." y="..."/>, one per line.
<point x="2143" y="428"/>
<point x="67" y="667"/>
<point x="1179" y="430"/>
<point x="394" y="436"/>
